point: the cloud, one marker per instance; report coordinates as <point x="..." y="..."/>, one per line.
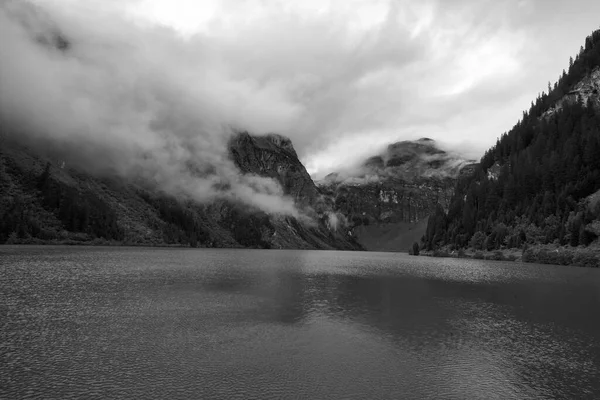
<point x="139" y="102"/>
<point x="167" y="79"/>
<point x="479" y="65"/>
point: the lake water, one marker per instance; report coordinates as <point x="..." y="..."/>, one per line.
<point x="253" y="324"/>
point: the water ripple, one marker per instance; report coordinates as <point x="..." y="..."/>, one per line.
<point x="240" y="324"/>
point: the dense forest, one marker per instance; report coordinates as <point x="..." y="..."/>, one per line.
<point x="538" y="185"/>
<point x="49" y="210"/>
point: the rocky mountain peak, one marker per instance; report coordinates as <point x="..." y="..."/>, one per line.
<point x="404" y="160"/>
<point x="274" y="156"/>
<point x="388" y="198"/>
<point x="282" y="142"/>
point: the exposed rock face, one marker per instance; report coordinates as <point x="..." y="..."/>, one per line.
<point x="586" y="90"/>
<point x="274" y="156"/>
<point x="467" y="170"/>
<point x="392" y="200"/>
<point x="396" y="190"/>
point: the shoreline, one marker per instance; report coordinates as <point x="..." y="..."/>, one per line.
<point x="540" y="254"/>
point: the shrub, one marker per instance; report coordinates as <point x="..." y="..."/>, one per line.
<point x="586" y="259"/>
<point x="528" y="255"/>
<point x="495" y="256"/>
<point x="543" y="256"/>
<point x="47" y="234"/>
<point x="559" y="257"/>
<point x="441" y="253"/>
<point x="478" y="255"/>
<point x="13" y="238"/>
<point x="564" y="257"/>
<point x="415" y="248"/>
<point x="477" y="241"/>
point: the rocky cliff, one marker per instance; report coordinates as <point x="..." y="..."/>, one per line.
<point x="388" y="198"/>
<point x="274" y="156"/>
<point x="586" y="91"/>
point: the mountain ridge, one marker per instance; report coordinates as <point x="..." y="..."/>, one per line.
<point x="388" y="198"/>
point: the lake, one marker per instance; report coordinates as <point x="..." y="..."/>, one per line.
<point x="81" y="322"/>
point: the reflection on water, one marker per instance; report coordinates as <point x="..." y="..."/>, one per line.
<point x="156" y="323"/>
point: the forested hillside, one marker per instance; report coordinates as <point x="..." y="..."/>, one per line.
<point x="536" y="186"/>
<point x="44" y="200"/>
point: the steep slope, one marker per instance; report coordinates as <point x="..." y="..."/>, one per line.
<point x="46" y="200"/>
<point x="389" y="197"/>
<point x="274" y="156"/>
<point x="536" y="185"/>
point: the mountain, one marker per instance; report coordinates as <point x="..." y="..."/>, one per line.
<point x="44" y="200"/>
<point x="154" y="172"/>
<point x="388" y="198"/>
<point x="539" y="185"/>
<point x="274" y="156"/>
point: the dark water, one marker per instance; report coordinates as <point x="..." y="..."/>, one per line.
<point x="251" y="324"/>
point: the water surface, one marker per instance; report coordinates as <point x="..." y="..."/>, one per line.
<point x="254" y="324"/>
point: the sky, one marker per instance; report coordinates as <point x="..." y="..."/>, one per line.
<point x="164" y="81"/>
<point x="365" y="73"/>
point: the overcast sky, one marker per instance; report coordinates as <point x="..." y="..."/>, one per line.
<point x="343" y="78"/>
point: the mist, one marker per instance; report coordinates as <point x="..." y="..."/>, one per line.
<point x="113" y="97"/>
<point x="156" y="88"/>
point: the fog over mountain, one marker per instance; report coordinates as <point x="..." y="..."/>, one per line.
<point x="112" y="97"/>
<point x="156" y="89"/>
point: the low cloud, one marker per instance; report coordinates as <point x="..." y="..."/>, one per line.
<point x="117" y="98"/>
<point x="152" y="87"/>
<point x="406" y="160"/>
